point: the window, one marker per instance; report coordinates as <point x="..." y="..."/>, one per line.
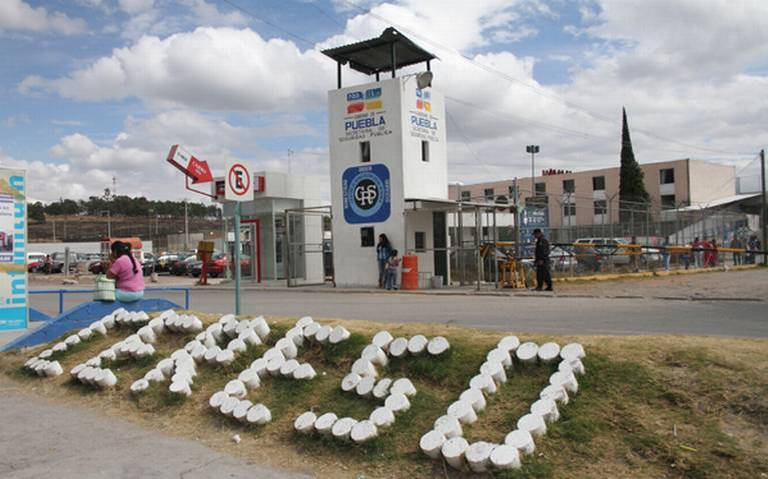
<point x="541" y="188"/>
<point x="365" y="152"/>
<point x="488" y="193"/>
<point x="598" y="183"/>
<point x="466" y="196"/>
<point x="569" y="186"/>
<point x="366" y="237"/>
<point x="668" y="201"/>
<point x="424" y="151"/>
<point x="501" y="199"/>
<point x="569" y="209"/>
<point x="419" y="240"/>
<point x="601" y="207"/>
<point x="667" y="176"/>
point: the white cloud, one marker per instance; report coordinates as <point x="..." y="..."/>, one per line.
<point x="136" y="156"/>
<point x="252" y="74"/>
<point x="149" y="18"/>
<point x="13" y="121"/>
<point x="19" y="15"/>
<point x="133" y="7"/>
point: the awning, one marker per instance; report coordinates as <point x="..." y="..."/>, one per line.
<point x="376" y="55"/>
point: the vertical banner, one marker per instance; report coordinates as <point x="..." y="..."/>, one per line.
<point x="532" y="217"/>
<point x="13" y="242"/>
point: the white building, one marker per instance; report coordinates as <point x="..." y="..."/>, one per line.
<point x="388" y="162"/>
<point x="263" y="228"/>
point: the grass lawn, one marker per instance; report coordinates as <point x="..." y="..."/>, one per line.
<point x="648" y="406"/>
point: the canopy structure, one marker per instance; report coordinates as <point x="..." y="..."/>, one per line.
<point x="388" y="52"/>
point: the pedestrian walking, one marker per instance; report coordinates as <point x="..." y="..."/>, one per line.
<point x="392" y="264"/>
<point x="736" y="243"/>
<point x="541" y="258"/>
<point x="383" y="250"/>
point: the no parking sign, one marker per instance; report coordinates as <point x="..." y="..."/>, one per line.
<point x="238" y="182"/>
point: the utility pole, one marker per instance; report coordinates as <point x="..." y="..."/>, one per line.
<point x="533" y="149"/>
<point x="516" y="200"/>
<point x="764" y="208"/>
<point x="186" y="225"/>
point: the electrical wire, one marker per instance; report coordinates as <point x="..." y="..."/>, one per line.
<point x="492" y="70"/>
<point x="535" y="89"/>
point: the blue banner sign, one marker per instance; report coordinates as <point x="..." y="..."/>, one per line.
<point x="532" y="217"/>
<point x="366" y="193"/>
<point x="13" y="260"/>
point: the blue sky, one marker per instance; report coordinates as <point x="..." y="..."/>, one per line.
<point x="100" y="88"/>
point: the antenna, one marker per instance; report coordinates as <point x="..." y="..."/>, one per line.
<point x="114" y="186"/>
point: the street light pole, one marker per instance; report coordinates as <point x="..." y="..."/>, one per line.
<point x="533" y="149"/>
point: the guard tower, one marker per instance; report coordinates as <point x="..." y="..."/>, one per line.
<point x="388" y="160"/>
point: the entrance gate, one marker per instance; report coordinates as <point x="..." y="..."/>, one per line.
<point x="308" y="246"/>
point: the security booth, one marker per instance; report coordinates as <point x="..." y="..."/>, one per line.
<point x="264" y="232"/>
<point x="387" y="153"/>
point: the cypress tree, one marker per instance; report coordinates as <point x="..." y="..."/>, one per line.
<point x="631" y="185"/>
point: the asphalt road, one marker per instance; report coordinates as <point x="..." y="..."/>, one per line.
<point x="544" y="314"/>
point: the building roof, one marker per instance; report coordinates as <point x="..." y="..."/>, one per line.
<point x="724" y="201"/>
<point x="375" y="55"/>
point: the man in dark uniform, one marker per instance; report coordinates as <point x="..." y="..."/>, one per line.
<point x="541" y="258"/>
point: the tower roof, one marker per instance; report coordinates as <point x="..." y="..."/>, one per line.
<point x="376" y="55"/>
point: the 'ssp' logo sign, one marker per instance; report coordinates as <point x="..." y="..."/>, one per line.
<point x="366" y="194"/>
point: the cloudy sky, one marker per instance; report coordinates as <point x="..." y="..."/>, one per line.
<point x="92" y="89"/>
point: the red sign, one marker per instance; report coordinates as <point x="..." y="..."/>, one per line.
<point x="199" y="171"/>
<point x="195" y="169"/>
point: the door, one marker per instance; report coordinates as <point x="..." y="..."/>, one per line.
<point x="440" y="244"/>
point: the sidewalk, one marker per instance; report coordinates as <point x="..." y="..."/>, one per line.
<point x="45" y="439"/>
<point x="747" y="284"/>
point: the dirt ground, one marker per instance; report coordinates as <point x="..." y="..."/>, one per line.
<point x="745" y="284"/>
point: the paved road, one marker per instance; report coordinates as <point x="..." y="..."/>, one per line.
<point x="42" y="439"/>
<point x="556" y="315"/>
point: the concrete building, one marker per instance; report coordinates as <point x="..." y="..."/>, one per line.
<point x="388" y="162"/>
<point x="263" y="228"/>
<point x="591" y="197"/>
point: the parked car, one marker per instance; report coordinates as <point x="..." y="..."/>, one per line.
<point x="560" y="259"/>
<point x="97" y="267"/>
<point x="35" y="257"/>
<point x="217" y="266"/>
<point x="57" y="262"/>
<point x="165" y="261"/>
<point x="614" y="251"/>
<point x="181" y="268"/>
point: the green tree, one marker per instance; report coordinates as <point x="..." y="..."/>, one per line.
<point x="36" y="211"/>
<point x="633" y="198"/>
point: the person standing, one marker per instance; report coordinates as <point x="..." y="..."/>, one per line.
<point x="541" y="258"/>
<point x="738" y="258"/>
<point x="392" y="264"/>
<point x="698" y="256"/>
<point x="383" y="250"/>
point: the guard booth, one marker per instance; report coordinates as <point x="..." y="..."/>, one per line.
<point x="265" y="233"/>
<point x="388" y="160"/>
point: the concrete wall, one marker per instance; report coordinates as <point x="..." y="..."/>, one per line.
<point x="395" y="130"/>
<point x="710" y="181"/>
<point x="695" y="182"/>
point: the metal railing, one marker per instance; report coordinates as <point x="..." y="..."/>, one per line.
<point x="62" y="292"/>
